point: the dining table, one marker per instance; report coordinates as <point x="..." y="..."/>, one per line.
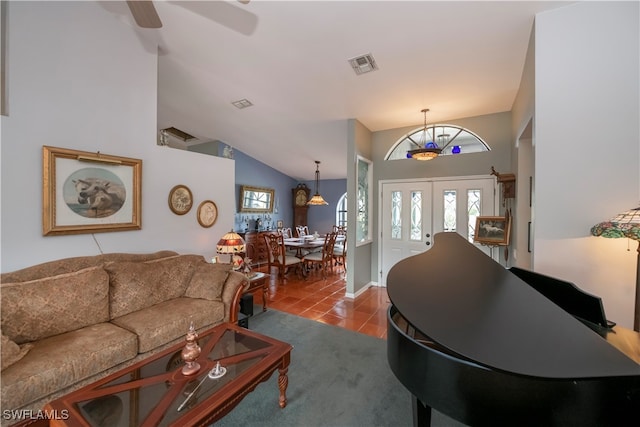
<point x="308" y="242"/>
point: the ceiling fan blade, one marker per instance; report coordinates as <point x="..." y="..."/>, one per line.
<point x="145" y="14"/>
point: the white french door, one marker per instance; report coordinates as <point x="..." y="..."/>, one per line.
<point x="406" y="222"/>
<point x="412" y="212"/>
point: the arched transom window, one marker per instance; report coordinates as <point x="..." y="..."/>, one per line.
<point x="450" y="138"/>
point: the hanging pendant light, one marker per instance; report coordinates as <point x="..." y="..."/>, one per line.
<point x="317" y="198"/>
<point x="428" y="149"/>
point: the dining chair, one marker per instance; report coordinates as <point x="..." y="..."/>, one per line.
<point x="340" y="254"/>
<point x="276" y="255"/>
<point x="286" y="233"/>
<point x="302" y="230"/>
<point x="324" y="258"/>
<point x="340" y="247"/>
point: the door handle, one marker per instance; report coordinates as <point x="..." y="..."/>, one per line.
<point x="428" y="243"/>
<point x="427" y="235"/>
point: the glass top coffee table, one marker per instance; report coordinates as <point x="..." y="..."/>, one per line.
<point x="155" y="392"/>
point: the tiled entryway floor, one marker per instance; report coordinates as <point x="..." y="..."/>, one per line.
<point x="323" y="300"/>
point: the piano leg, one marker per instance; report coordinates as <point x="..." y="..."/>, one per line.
<point x="421" y="413"/>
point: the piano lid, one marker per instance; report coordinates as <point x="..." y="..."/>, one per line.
<point x="468" y="303"/>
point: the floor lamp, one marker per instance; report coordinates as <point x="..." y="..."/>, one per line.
<point x="626" y="224"/>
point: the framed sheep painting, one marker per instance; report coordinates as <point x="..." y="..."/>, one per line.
<point x="492" y="230"/>
<point x="87" y="192"/>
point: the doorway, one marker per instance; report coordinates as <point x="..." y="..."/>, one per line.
<point x="411" y="212"/>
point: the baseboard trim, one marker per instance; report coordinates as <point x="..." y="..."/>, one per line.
<point x="360" y="291"/>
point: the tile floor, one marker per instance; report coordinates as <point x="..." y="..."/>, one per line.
<point x="323" y="300"/>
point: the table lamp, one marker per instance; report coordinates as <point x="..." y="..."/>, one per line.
<point x="626" y="224"/>
<point x="231" y="243"/>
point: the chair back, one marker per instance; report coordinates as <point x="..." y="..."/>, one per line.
<point x="329" y="244"/>
<point x="275" y="247"/>
<point x="302" y="230"/>
<point x="340" y="229"/>
<point x="286" y="233"/>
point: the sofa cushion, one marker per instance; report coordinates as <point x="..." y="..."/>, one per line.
<point x="169" y="320"/>
<point x="62" y="360"/>
<point x="12" y="352"/>
<point x="207" y="281"/>
<point x="134" y="286"/>
<point x="69" y="265"/>
<point x="54" y="305"/>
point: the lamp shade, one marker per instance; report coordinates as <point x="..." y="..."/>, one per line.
<point x="626" y="224"/>
<point x="424" y="153"/>
<point x="230" y="243"/>
<point x="317" y="200"/>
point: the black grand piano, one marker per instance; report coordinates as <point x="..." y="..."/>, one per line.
<point x="488" y="346"/>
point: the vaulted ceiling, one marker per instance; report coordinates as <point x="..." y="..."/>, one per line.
<point x="290" y="60"/>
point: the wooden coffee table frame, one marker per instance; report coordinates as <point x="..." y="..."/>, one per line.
<point x="274" y="355"/>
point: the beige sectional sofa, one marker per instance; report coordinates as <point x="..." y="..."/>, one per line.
<point x="69" y="322"/>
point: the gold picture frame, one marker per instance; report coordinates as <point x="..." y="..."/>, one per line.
<point x="84" y="192"/>
<point x="492" y="230"/>
<point x="207" y="213"/>
<point x="180" y="199"/>
<point x="256" y="199"/>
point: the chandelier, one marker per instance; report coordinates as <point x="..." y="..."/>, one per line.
<point x="428" y="149"/>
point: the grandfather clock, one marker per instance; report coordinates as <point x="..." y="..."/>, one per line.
<point x="300" y="196"/>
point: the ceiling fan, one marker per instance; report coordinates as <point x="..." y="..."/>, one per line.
<point x="145" y="15"/>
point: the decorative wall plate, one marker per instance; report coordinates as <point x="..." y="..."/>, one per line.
<point x="207" y="213"/>
<point x="180" y="199"/>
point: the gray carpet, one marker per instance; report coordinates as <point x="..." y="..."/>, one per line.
<point x="337" y="378"/>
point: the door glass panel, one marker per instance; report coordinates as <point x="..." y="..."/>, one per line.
<point x="396" y="214"/>
<point x="473" y="211"/>
<point x="449" y="210"/>
<point x="416" y="215"/>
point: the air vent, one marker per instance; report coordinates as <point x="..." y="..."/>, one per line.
<point x="178" y="134"/>
<point x="243" y="103"/>
<point x="363" y="64"/>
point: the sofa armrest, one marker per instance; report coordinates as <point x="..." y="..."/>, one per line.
<point x="234" y="286"/>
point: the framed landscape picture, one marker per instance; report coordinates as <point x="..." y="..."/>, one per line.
<point x="85" y="192"/>
<point x="492" y="230"/>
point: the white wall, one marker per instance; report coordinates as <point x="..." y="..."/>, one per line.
<point x="79" y="77"/>
<point x="522" y="161"/>
<point x="587" y="146"/>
